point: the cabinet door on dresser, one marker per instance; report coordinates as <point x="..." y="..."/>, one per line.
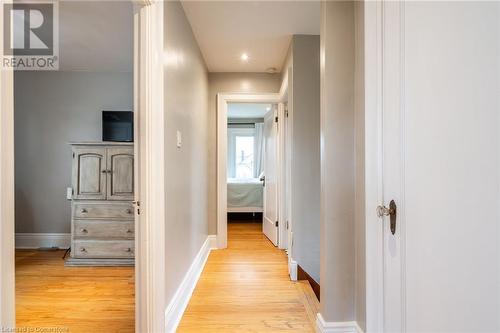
<point x="121" y="173"/>
<point x="89" y="173"/>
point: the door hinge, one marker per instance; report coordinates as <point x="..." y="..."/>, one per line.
<point x="276" y="223"/>
<point x="276" y="119"/>
<point x="137" y="204"/>
<point x="73" y="155"/>
<point x="287" y="225"/>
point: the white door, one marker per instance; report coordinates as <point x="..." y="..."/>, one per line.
<point x="438" y="160"/>
<point x="270" y="219"/>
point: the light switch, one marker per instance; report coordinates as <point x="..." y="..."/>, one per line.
<point x="179" y="139"/>
<point x="69" y="193"/>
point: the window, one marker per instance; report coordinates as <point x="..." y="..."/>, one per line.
<point x="240" y="149"/>
<point x="244" y="156"/>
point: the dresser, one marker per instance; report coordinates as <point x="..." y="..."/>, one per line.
<point x="102" y="210"/>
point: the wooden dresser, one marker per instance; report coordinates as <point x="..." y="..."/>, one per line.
<point x="102" y="211"/>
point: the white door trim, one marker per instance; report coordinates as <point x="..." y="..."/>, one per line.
<point x="378" y="27"/>
<point x="283" y="165"/>
<point x="150" y="229"/>
<point x="281" y="177"/>
<point x="222" y="101"/>
<point x="7" y="260"/>
<point x="373" y="122"/>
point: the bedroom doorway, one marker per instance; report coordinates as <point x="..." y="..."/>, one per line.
<point x="247" y="187"/>
<point x="147" y="28"/>
<point x="251" y="166"/>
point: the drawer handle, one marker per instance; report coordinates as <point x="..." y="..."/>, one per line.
<point x="129" y="211"/>
<point x="84" y="230"/>
<point x="83" y="210"/>
<point x="129" y="231"/>
<point x="83" y="249"/>
<point x="128" y="250"/>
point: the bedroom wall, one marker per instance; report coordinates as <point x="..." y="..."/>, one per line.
<point x="229" y="83"/>
<point x="338" y="163"/>
<point x="52" y="109"/>
<point x="304" y="110"/>
<point x="186" y="98"/>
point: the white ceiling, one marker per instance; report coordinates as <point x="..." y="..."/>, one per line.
<point x="247" y="110"/>
<point x="96" y="36"/>
<point x="262" y="29"/>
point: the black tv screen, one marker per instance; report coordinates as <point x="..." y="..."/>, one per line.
<point x="118" y="126"/>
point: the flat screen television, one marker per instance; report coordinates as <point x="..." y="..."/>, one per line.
<point x="118" y="126"/>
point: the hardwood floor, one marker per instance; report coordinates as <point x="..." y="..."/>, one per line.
<point x="73" y="299"/>
<point x="246" y="288"/>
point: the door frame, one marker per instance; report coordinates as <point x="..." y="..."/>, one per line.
<point x="380" y="22"/>
<point x="7" y="193"/>
<point x="284" y="166"/>
<point x="222" y="101"/>
<point x="149" y="142"/>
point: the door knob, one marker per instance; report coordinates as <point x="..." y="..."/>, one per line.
<point x="391" y="212"/>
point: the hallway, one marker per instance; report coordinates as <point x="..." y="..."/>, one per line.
<point x="246" y="288"/>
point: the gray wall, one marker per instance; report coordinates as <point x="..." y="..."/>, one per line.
<point x="304" y="110"/>
<point x="52" y="109"/>
<point x="229" y="83"/>
<point x="186" y="97"/>
<point x="338" y="162"/>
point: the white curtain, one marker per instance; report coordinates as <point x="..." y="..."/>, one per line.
<point x="259" y="149"/>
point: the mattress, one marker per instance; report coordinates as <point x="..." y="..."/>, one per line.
<point x="244" y="195"/>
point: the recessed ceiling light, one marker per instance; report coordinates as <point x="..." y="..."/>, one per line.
<point x="244" y="57"/>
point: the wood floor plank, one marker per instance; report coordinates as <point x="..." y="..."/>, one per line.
<point x="74" y="299"/>
<point x="246" y="288"/>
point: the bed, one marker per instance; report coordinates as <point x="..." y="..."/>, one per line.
<point x="244" y="195"/>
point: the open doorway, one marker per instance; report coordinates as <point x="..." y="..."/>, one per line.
<point x="74" y="177"/>
<point x="248" y="163"/>
<point x="251" y="166"/>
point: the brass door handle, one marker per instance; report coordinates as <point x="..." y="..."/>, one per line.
<point x="391" y="212"/>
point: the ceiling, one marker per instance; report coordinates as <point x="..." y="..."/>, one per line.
<point x="261" y="29"/>
<point x="96" y="36"/>
<point x="247" y="110"/>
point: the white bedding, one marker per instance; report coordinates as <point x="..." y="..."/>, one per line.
<point x="244" y="195"/>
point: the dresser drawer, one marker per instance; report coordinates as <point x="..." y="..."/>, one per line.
<point x="104" y="210"/>
<point x="103" y="229"/>
<point x="103" y="249"/>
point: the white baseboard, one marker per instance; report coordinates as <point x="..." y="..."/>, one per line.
<point x="292" y="269"/>
<point x="177" y="306"/>
<point x="35" y="241"/>
<point x="323" y="326"/>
